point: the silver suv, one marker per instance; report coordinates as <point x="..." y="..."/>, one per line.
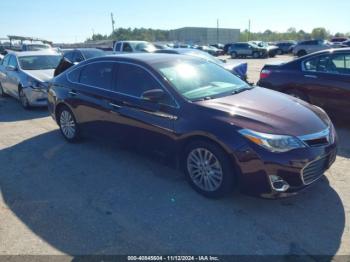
<point x="311" y="46"/>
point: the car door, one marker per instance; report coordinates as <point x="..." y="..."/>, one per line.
<point x="90" y="93"/>
<point x="141" y="122"/>
<point x="12" y="71"/>
<point x="326" y="79"/>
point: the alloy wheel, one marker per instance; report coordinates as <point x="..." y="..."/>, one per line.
<point x="205" y="169"/>
<point x="67" y="124"/>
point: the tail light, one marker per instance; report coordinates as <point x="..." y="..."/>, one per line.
<point x="265" y="73"/>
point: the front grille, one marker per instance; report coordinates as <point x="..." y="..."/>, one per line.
<point x="315" y="170"/>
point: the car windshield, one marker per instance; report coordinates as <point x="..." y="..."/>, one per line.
<point x="144" y="46"/>
<point x="197" y="80"/>
<point x="204" y="55"/>
<point x="41" y="62"/>
<point x="93" y="53"/>
<point x="37" y="47"/>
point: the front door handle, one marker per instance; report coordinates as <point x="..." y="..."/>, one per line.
<point x="311" y="76"/>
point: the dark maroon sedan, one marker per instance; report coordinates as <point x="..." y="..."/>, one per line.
<point x="321" y="78"/>
<point x="222" y="131"/>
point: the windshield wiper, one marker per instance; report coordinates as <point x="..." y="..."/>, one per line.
<point x="203" y="99"/>
<point x="240" y="90"/>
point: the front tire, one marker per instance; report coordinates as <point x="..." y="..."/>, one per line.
<point x="208" y="169"/>
<point x="68" y="125"/>
<point x="23" y="99"/>
<point x="2" y="92"/>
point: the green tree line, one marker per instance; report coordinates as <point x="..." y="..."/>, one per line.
<point x="152" y="35"/>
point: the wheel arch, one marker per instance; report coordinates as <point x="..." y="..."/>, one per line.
<point x="186" y="141"/>
<point x="58" y="107"/>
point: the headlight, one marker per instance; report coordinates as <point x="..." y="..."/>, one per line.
<point x="273" y="143"/>
<point x="37" y="85"/>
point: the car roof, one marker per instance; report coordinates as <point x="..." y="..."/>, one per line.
<point x="132" y="41"/>
<point x="35" y="53"/>
<point x="331" y="50"/>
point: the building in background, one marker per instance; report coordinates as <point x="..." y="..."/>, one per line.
<point x="204" y="36"/>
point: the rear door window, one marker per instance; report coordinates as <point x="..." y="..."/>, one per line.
<point x="317" y="64"/>
<point x="340" y="64"/>
<point x="99" y="74"/>
<point x="118" y="46"/>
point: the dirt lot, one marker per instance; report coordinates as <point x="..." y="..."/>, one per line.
<point x="96" y="198"/>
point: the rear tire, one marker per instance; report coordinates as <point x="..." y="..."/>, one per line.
<point x="256" y="55"/>
<point x="298" y="94"/>
<point x="68" y="125"/>
<point x="2" y="92"/>
<point x="233" y="55"/>
<point x="208" y="169"/>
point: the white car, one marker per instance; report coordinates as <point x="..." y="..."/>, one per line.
<point x="134" y="47"/>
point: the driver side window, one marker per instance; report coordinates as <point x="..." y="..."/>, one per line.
<point x="134" y="81"/>
<point x="127" y="48"/>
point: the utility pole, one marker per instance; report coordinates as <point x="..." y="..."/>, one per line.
<point x="217" y="31"/>
<point x="113" y="22"/>
<point x="249" y="30"/>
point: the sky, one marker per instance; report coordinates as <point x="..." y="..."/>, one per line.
<point x="70" y="21"/>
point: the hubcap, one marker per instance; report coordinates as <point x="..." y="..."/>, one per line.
<point x="67" y="124"/>
<point x="205" y="169"/>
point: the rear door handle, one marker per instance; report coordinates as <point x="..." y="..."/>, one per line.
<point x="311" y="76"/>
<point x="73" y="93"/>
<point x="115" y="106"/>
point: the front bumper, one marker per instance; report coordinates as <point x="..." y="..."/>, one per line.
<point x="256" y="167"/>
<point x="36" y="97"/>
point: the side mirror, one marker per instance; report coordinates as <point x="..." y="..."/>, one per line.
<point x="153" y="95"/>
<point x="11" y="68"/>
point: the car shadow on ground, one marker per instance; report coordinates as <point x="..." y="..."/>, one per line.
<point x="98" y="198"/>
<point x="12" y="111"/>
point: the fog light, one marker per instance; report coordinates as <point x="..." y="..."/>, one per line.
<point x="278" y="184"/>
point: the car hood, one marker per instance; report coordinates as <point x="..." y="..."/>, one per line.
<point x="41" y="75"/>
<point x="267" y="111"/>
